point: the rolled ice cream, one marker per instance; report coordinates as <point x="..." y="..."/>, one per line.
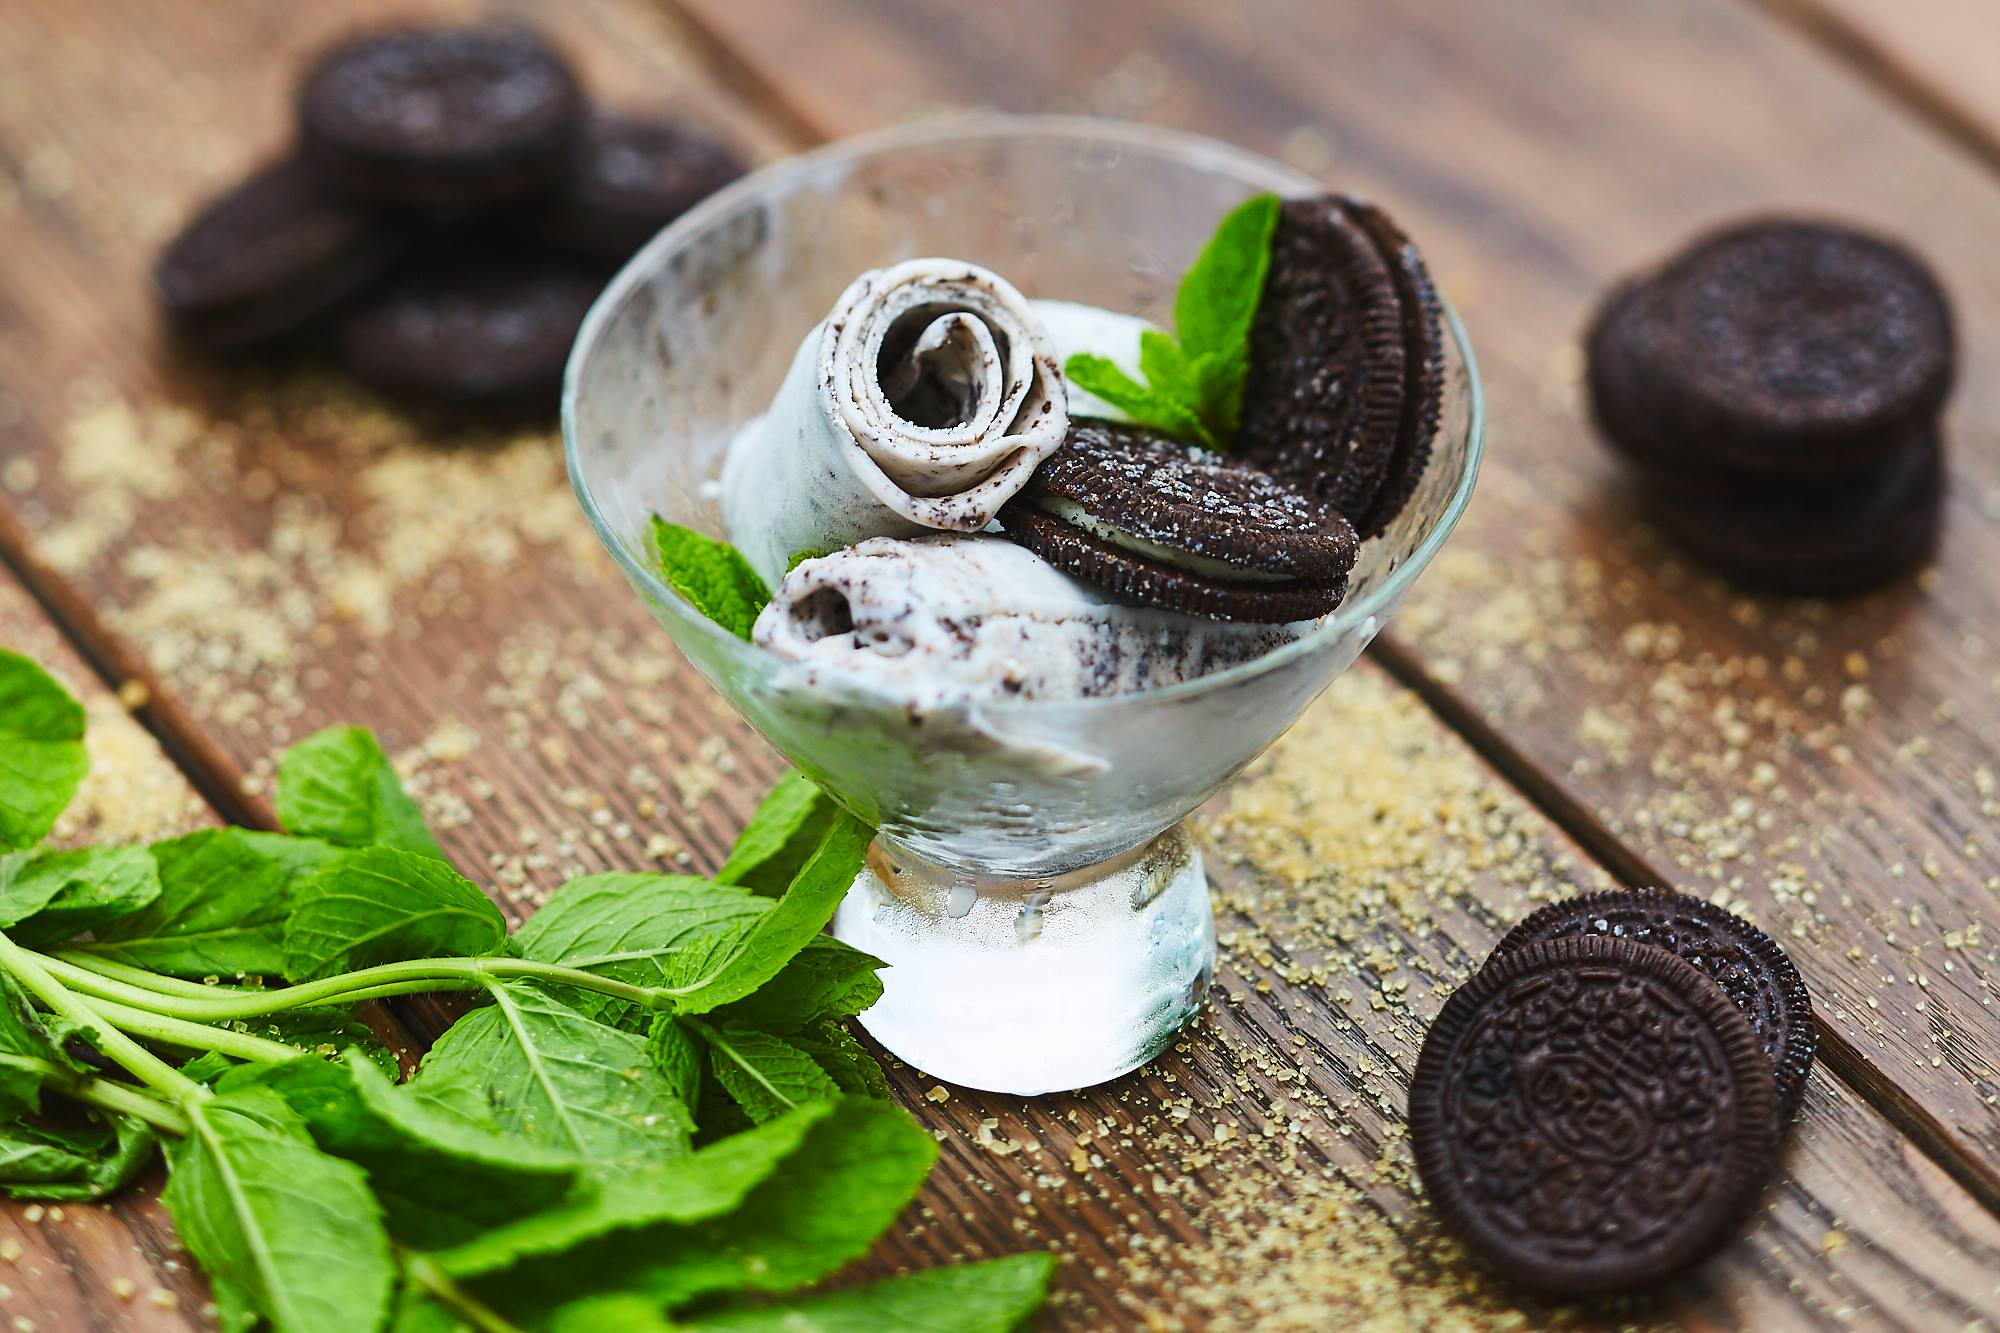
<point x="946" y="620"/>
<point x="922" y="402"/>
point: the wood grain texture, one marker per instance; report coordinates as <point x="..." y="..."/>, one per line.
<point x="293" y="556"/>
<point x="1827" y="768"/>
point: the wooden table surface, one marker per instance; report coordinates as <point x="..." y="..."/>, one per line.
<point x="235" y="558"/>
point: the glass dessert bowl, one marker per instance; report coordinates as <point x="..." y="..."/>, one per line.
<point x="1042" y="908"/>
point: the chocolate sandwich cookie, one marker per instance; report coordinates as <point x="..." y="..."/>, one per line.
<point x="627" y="178"/>
<point x="1163" y="523"/>
<point x="1346" y="373"/>
<point x="484" y="332"/>
<point x="1775" y="346"/>
<point x="445" y="120"/>
<point x="1807" y="537"/>
<point x="1745" y="962"/>
<point x="269" y="258"/>
<point x="1592" y="1115"/>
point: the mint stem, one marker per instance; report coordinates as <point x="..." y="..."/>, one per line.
<point x="157" y="982"/>
<point x="192" y="1036"/>
<point x="439" y="1286"/>
<point x="102" y="1092"/>
<point x="141" y="1063"/>
<point x="419" y="974"/>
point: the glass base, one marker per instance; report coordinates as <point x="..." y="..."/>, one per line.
<point x="1031" y="986"/>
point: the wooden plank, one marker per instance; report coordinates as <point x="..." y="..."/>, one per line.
<point x="116" y="1265"/>
<point x="1936" y="56"/>
<point x="279" y="555"/>
<point x="1829" y="768"/>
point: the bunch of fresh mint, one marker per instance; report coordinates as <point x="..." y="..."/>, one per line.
<point x="654" y="1118"/>
<point x="1194" y="379"/>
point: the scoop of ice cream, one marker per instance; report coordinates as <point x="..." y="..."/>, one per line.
<point x="944" y="620"/>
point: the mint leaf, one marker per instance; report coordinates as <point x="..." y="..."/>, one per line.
<point x="991" y="1297"/>
<point x="631" y="927"/>
<point x="283" y="1229"/>
<point x="322" y="1030"/>
<point x="29" y="1043"/>
<point x="615" y="1313"/>
<point x="803" y="554"/>
<point x="442" y="1177"/>
<point x="827" y="979"/>
<point x="224" y="896"/>
<point x="675" y="1052"/>
<point x="762" y="1073"/>
<point x="382" y="905"/>
<point x="821" y="1207"/>
<point x="74" y="1166"/>
<point x="1194" y="388"/>
<point x="709" y="1182"/>
<point x="541" y="1070"/>
<point x="711" y="574"/>
<point x="42" y="758"/>
<point x="1218" y="296"/>
<point x="338" y="785"/>
<point x="46" y="897"/>
<point x="845" y="1060"/>
<point x="735" y="962"/>
<point x="787" y="828"/>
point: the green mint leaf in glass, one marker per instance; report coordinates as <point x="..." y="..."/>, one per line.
<point x="821" y="1208"/>
<point x="224" y="896"/>
<point x="442" y="1176"/>
<point x="991" y="1297"/>
<point x="1218" y="296"/>
<point x="46" y="897"/>
<point x="753" y="952"/>
<point x="74" y="1164"/>
<point x="827" y="979"/>
<point x="284" y="1230"/>
<point x="634" y="927"/>
<point x="382" y="905"/>
<point x="787" y="828"/>
<point x="762" y="1073"/>
<point x="338" y="785"/>
<point x="542" y="1070"/>
<point x="845" y="1060"/>
<point x="799" y="557"/>
<point x="707" y="1183"/>
<point x="711" y="574"/>
<point x="42" y="759"/>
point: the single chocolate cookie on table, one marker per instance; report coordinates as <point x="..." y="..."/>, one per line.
<point x="1163" y="523"/>
<point x="1751" y="968"/>
<point x="1775" y="346"/>
<point x="628" y="177"/>
<point x="1592" y="1115"/>
<point x="1346" y="366"/>
<point x="271" y="257"/>
<point x="488" y="331"/>
<point x="442" y="120"/>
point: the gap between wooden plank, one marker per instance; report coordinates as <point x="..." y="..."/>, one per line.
<point x="1874" y="64"/>
<point x="188" y="747"/>
<point x="1542" y="792"/>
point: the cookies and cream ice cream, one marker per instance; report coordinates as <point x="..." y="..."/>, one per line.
<point x="923" y="402"/>
<point x="944" y="620"/>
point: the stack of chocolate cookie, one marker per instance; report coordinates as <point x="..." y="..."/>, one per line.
<point x="1776" y="388"/>
<point x="1599" y="1107"/>
<point x="450" y="210"/>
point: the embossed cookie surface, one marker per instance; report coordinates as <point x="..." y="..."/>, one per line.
<point x="1592" y="1115"/>
<point x="1751" y="968"/>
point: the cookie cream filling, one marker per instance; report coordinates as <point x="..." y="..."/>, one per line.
<point x="1072" y="513"/>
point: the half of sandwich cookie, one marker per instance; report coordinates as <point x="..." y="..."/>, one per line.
<point x="1162" y="523"/>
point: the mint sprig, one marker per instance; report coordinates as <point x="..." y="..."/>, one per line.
<point x="657" y="1117"/>
<point x="1194" y="379"/>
